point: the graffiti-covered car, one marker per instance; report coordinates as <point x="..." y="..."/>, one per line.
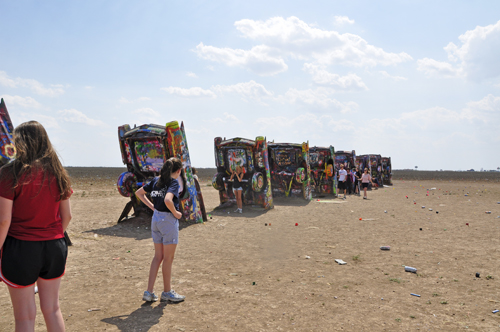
<point x="252" y="157"/>
<point x="7" y="149"/>
<point x="346" y="158"/>
<point x="144" y="150"/>
<point x="323" y="175"/>
<point x="290" y="170"/>
<point x="387" y="170"/>
<point x="374" y="164"/>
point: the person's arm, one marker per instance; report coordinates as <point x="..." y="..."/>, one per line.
<point x="5" y="218"/>
<point x="170" y="205"/>
<point x="65" y="212"/>
<point x="141" y="194"/>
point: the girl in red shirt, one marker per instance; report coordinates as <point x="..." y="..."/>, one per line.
<point x="34" y="213"/>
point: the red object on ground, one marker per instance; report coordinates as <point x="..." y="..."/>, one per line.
<point x="360" y="218"/>
<point x="467" y="223"/>
<point x="296" y="224"/>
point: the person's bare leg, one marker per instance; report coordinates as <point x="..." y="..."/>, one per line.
<point x="23" y="303"/>
<point x="166" y="269"/>
<point x="48" y="291"/>
<point x="365" y="189"/>
<point x="240" y="199"/>
<point x="155" y="266"/>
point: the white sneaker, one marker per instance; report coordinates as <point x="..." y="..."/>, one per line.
<point x="240" y="210"/>
<point x="149" y="297"/>
<point x="172" y="296"/>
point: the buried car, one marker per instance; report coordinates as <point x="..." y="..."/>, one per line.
<point x="144" y="150"/>
<point x="374" y="164"/>
<point x="252" y="157"/>
<point x="387" y="170"/>
<point x="290" y="170"/>
<point x="323" y="175"/>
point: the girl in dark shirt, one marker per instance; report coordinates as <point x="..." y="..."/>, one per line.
<point x="164" y="191"/>
<point x="237" y="178"/>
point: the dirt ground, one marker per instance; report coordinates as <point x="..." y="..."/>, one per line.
<point x="240" y="275"/>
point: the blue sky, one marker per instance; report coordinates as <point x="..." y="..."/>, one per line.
<point x="415" y="80"/>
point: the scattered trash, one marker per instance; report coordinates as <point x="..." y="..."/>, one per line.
<point x="94" y="309"/>
<point x="477" y="275"/>
<point x="308" y="257"/>
<point x="265" y="224"/>
<point x="467" y="224"/>
<point x="296" y="224"/>
<point x="340" y="262"/>
<point x="117" y="258"/>
<point x="360" y="218"/>
<point x="495" y="311"/>
<point x="253" y="283"/>
<point x="415" y="294"/>
<point x="420" y="228"/>
<point x="385" y="211"/>
<point x="437" y="212"/>
<point x="233" y="274"/>
<point x="487" y="212"/>
<point x="410" y="269"/>
<point x="430" y="209"/>
<point x="385" y="248"/>
<point x="423" y="207"/>
<point x="269" y="224"/>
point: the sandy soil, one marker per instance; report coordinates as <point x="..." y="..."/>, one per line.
<point x="240" y="275"/>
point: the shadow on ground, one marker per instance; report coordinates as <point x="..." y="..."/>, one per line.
<point x="133" y="227"/>
<point x="141" y="319"/>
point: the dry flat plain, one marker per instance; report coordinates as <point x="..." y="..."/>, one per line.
<point x="240" y="275"/>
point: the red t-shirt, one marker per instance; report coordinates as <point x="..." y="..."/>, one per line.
<point x="35" y="210"/>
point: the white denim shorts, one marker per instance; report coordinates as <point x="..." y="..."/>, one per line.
<point x="164" y="228"/>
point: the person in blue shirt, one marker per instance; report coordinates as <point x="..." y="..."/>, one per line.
<point x="164" y="191"/>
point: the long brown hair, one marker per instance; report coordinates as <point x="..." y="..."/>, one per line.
<point x="172" y="165"/>
<point x="35" y="152"/>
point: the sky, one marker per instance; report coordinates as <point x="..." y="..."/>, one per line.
<point x="415" y="80"/>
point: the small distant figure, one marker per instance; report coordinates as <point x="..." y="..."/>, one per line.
<point x="34" y="213"/>
<point x="164" y="191"/>
<point x="237" y="177"/>
<point x="342" y="179"/>
<point x="355" y="173"/>
<point x="366" y="179"/>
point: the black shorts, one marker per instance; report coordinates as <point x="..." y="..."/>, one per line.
<point x="23" y="262"/>
<point x="342" y="185"/>
<point x="365" y="185"/>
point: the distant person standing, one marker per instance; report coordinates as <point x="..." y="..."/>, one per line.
<point x="342" y="179"/>
<point x="366" y="179"/>
<point x="355" y="173"/>
<point x="237" y="178"/>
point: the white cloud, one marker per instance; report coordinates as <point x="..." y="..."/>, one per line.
<point x="191" y="74"/>
<point x="76" y="116"/>
<point x="188" y="93"/>
<point x="320" y="76"/>
<point x="146" y="111"/>
<point x="317" y="97"/>
<point x="48" y="122"/>
<point x="27" y="102"/>
<point x="258" y="59"/>
<point x="341" y="20"/>
<point x="248" y="90"/>
<point x="124" y="100"/>
<point x="88" y="87"/>
<point x="432" y="67"/>
<point x="227" y="118"/>
<point x="307" y="123"/>
<point x="396" y="78"/>
<point x="32" y="84"/>
<point x="296" y="38"/>
<point x="476" y="58"/>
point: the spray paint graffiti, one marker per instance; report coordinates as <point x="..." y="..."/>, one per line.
<point x="7" y="149"/>
<point x="252" y="157"/>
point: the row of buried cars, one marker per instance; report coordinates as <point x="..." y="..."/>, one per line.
<point x="270" y="169"/>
